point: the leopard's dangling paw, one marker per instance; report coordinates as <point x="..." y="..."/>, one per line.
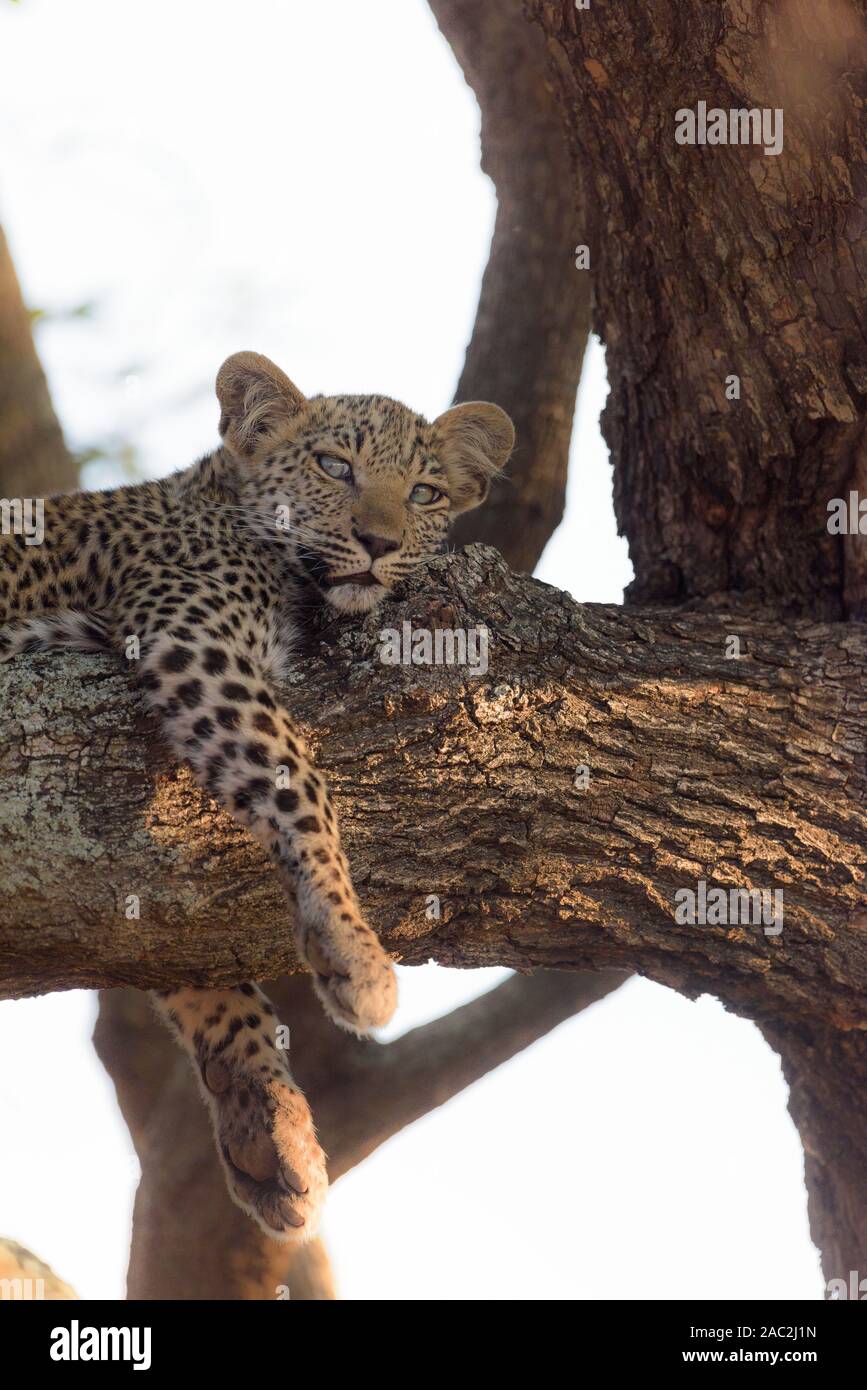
<point x="352" y="974"/>
<point x="266" y="1139"/>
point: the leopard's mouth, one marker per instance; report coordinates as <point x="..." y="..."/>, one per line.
<point x="363" y="577"/>
<point x="317" y="568"/>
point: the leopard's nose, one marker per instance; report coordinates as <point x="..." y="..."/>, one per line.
<point x="376" y="546"/>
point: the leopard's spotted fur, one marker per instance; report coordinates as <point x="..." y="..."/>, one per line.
<point x="206" y="570"/>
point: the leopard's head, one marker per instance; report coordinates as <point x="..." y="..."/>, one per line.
<point x="358" y="488"/>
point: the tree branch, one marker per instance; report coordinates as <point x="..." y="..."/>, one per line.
<point x="394" y="1085"/>
<point x="701" y="767"/>
<point x="534" y="307"/>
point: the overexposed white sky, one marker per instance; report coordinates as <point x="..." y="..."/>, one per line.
<point x="303" y="180"/>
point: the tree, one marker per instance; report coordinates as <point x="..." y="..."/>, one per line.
<point x="718" y="718"/>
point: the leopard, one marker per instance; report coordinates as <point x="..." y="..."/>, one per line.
<point x="207" y="575"/>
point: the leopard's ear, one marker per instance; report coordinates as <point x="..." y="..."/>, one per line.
<point x="256" y="401"/>
<point x="473" y="440"/>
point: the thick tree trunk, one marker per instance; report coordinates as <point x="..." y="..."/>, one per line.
<point x="713" y="261"/>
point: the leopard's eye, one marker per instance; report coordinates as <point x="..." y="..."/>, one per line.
<point x="335" y="468"/>
<point x="424" y="494"/>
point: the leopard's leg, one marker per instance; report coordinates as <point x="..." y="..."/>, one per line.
<point x="219" y="713"/>
<point x="200" y="663"/>
<point x="211" y="689"/>
<point x="274" y="1166"/>
<point x="275" y="1169"/>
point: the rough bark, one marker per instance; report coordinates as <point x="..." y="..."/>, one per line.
<point x="361" y="1093"/>
<point x="34" y="461"/>
<point x="738" y="771"/>
<point x="745" y="773"/>
<point x="534" y="307"/>
<point x="717" y="260"/>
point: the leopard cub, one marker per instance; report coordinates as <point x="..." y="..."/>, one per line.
<point x="338" y="496"/>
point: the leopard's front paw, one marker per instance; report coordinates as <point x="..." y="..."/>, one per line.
<point x="271" y="1156"/>
<point x="352" y="974"/>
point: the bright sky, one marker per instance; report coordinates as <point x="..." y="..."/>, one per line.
<point x="303" y="180"/>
